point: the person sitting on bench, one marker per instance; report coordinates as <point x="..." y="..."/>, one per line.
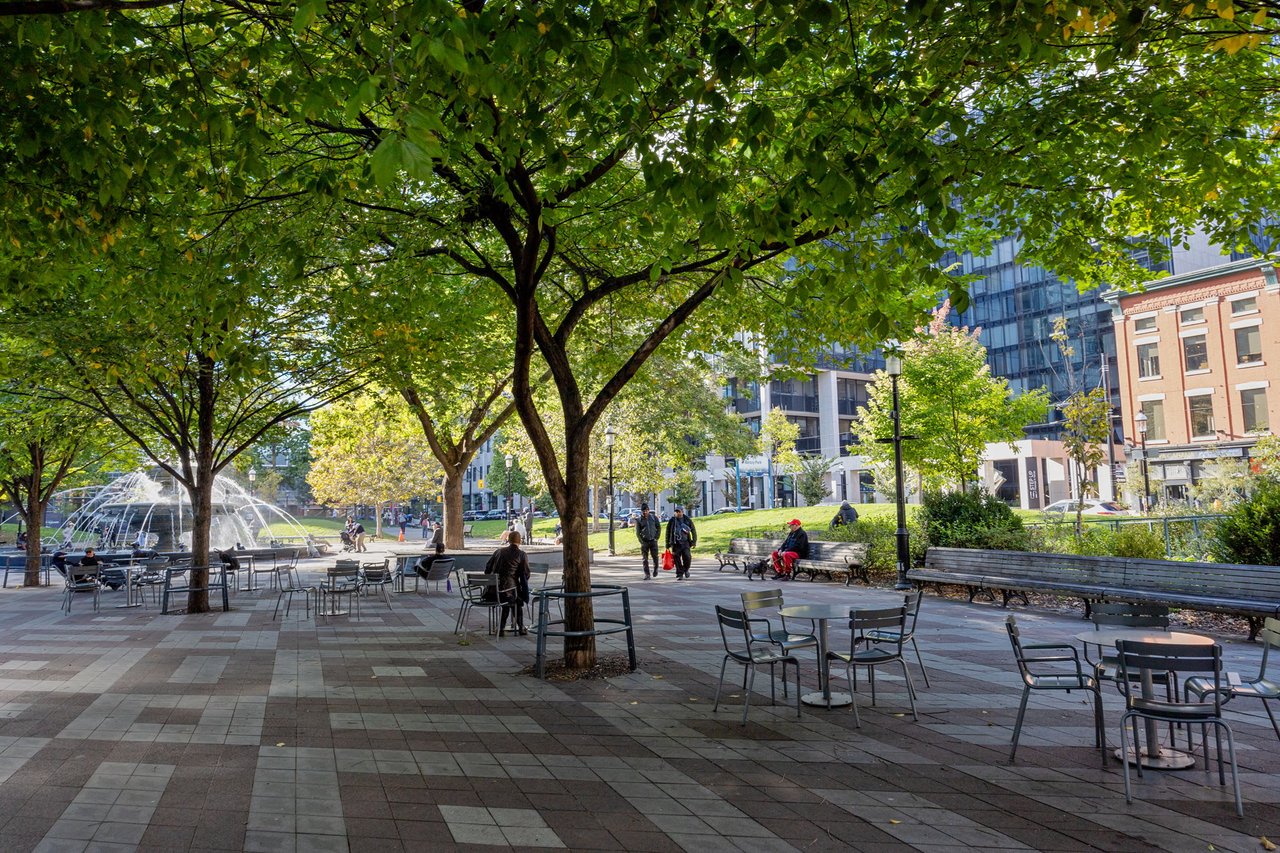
<point x="794" y="547"/>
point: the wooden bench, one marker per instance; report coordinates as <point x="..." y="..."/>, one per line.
<point x="466" y="530"/>
<point x="1252" y="592"/>
<point x="825" y="558"/>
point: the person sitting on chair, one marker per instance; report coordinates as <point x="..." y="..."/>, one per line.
<point x="794" y="547"/>
<point x="511" y="565"/>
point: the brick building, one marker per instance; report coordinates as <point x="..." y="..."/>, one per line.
<point x="1196" y="353"/>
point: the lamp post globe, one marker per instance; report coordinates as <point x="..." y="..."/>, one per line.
<point x="253" y="477"/>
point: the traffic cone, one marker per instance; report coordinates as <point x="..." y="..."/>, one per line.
<point x="401" y="535"/>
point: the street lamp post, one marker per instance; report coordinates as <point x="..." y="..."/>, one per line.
<point x="510" y="491"/>
<point x="609" y="437"/>
<point x="1140" y="420"/>
<point x="253" y="477"/>
<point x="893" y="366"/>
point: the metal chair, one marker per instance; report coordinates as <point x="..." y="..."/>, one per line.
<point x="871" y="654"/>
<point x="1033" y="665"/>
<point x="82" y="579"/>
<point x="912" y="603"/>
<point x="1123" y="614"/>
<point x="1206" y="662"/>
<point x="290" y="585"/>
<point x="1259" y="687"/>
<point x="743" y="645"/>
<point x="438" y="569"/>
<point x="783" y="637"/>
<point x="342" y="579"/>
<point x="379" y="577"/>
<point x="477" y="590"/>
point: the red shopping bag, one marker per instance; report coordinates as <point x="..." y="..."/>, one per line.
<point x="668" y="560"/>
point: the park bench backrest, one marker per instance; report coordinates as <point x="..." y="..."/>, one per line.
<point x="834" y="552"/>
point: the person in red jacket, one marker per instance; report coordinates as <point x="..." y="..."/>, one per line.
<point x="794" y="547"/>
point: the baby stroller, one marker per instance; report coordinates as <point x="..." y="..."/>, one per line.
<point x="348" y="543"/>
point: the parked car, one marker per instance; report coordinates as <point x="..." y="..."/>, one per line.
<point x="472" y="515"/>
<point x="496" y="515"/>
<point x="1091" y="507"/>
<point x="726" y="510"/>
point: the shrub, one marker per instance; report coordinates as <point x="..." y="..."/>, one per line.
<point x="971" y="520"/>
<point x="1250" y="533"/>
<point x="880" y="534"/>
<point x="1129" y="541"/>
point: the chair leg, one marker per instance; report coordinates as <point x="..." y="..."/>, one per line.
<point x="920" y="661"/>
<point x="796" y="663"/>
<point x="275" y="612"/>
<point x="911" y="691"/>
<point x="849" y="671"/>
<point x="1099" y="726"/>
<point x="1270" y="716"/>
<point x="1235" y="771"/>
<point x="746" y="701"/>
<point x="719" y="684"/>
<point x="1017" y="725"/>
<point x="1124" y="757"/>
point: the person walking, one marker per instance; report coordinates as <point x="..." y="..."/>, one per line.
<point x="526" y="519"/>
<point x="647" y="531"/>
<point x="794" y="547"/>
<point x="511" y="565"/>
<point x="425" y="524"/>
<point x="682" y="537"/>
<point x="357" y="531"/>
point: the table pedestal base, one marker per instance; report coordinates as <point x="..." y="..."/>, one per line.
<point x="838" y="700"/>
<point x="1164" y="759"/>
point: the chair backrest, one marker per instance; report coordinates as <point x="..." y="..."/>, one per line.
<point x="735" y="630"/>
<point x="1015" y="640"/>
<point x="765" y="599"/>
<point x="879" y="619"/>
<point x="912" y="602"/>
<point x="1129" y="615"/>
<point x="440" y="569"/>
<point x="284" y="577"/>
<point x="1270" y="636"/>
<point x="84" y="577"/>
<point x="376" y="573"/>
<point x="473" y="586"/>
<point x="346" y="572"/>
<point x="1135" y="656"/>
<point x="347" y="564"/>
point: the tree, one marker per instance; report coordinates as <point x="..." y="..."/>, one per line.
<point x="950" y="404"/>
<point x="504" y="480"/>
<point x="47" y="445"/>
<point x="368" y="449"/>
<point x="654" y="165"/>
<point x="1086" y="424"/>
<point x="812" y="481"/>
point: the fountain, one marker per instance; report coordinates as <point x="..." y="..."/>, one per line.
<point x="112" y="517"/>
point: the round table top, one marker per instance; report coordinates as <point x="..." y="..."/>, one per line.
<point x="816" y="611"/>
<point x="1108" y="637"/>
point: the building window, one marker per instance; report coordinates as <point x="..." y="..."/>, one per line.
<point x="1148" y="360"/>
<point x="1154" y="410"/>
<point x="1200" y="408"/>
<point x="1253" y="403"/>
<point x="1191" y="315"/>
<point x="1248" y="305"/>
<point x="1195" y="353"/>
<point x="1249" y="345"/>
<point x="1144" y="324"/>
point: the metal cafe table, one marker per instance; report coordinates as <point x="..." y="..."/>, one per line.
<point x="1155" y="756"/>
<point x="821" y="613"/>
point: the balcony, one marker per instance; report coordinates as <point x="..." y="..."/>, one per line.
<point x="795" y="402"/>
<point x="809" y="444"/>
<point x="746" y="405"/>
<point x="849" y="405"/>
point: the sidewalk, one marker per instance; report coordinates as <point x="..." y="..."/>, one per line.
<point x="126" y="730"/>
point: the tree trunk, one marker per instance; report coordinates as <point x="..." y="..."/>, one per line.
<point x="34" y="517"/>
<point x="579" y="652"/>
<point x="201" y="491"/>
<point x="453" y="539"/>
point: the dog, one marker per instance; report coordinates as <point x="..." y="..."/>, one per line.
<point x="757" y="568"/>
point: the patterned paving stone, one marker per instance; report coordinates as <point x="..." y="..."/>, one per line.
<point x="126" y="730"/>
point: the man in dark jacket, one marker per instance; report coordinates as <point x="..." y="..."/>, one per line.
<point x="681" y="539"/>
<point x="844" y="516"/>
<point x="794" y="547"/>
<point x="647" y="531"/>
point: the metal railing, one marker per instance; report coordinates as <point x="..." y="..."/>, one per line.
<point x="1171" y="527"/>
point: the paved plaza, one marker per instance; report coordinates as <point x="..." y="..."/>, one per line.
<point x="128" y="730"/>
